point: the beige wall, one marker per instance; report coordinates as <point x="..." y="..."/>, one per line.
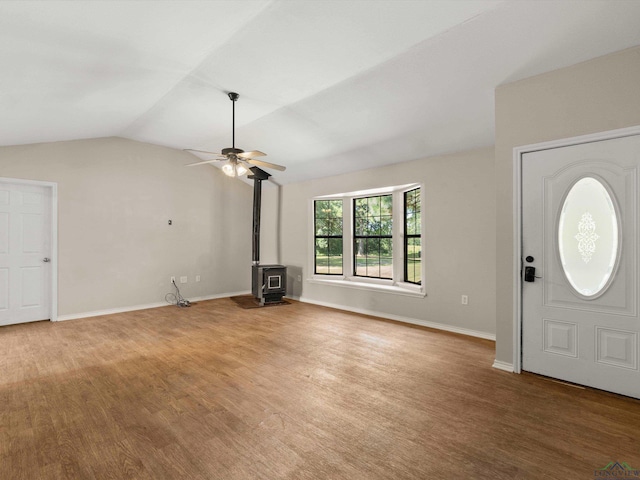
<point x="594" y="96"/>
<point x="116" y="196"/>
<point x="460" y="240"/>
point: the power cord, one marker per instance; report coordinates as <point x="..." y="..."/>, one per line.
<point x="176" y="298"/>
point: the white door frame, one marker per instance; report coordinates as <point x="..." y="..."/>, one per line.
<point x="54" y="236"/>
<point x="518" y="153"/>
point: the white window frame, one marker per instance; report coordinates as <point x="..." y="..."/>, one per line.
<point x="396" y="285"/>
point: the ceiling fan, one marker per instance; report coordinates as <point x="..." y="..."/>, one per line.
<point x="238" y="161"/>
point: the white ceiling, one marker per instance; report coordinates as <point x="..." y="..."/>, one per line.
<point x="325" y="86"/>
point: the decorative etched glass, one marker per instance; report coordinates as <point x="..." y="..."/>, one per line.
<point x="588" y="236"/>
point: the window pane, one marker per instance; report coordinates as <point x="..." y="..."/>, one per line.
<point x="386" y="225"/>
<point x="322" y="268"/>
<point x="337" y="227"/>
<point x="360" y="259"/>
<point x="386" y="247"/>
<point x="372" y="246"/>
<point x="372" y="219"/>
<point x="321" y="226"/>
<point x="361" y="207"/>
<point x="414" y="262"/>
<point x="414" y="271"/>
<point x="335" y="247"/>
<point x="328" y="233"/>
<point x="410" y="211"/>
<point x="413" y="248"/>
<point x="335" y="255"/>
<point x="336" y="208"/>
<point x="373" y="261"/>
<point x="373" y="266"/>
<point x="386" y="203"/>
<point x="374" y="206"/>
<point x="386" y="267"/>
<point x="321" y="246"/>
<point x="413" y="227"/>
<point x="374" y="225"/>
<point x="322" y="261"/>
<point x="329" y="228"/>
<point x="322" y="209"/>
<point x="373" y="271"/>
<point x="368" y="226"/>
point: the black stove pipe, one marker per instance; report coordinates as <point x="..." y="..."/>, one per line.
<point x="258" y="176"/>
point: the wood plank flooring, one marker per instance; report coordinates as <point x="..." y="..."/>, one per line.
<point x="288" y="392"/>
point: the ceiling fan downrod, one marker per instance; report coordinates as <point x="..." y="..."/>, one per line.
<point x="233" y="96"/>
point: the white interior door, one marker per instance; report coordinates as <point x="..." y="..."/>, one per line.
<point x="580" y="233"/>
<point x="25" y="253"/>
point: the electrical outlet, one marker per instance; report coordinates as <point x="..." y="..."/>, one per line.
<point x="465" y="299"/>
<point x="299" y="278"/>
<point x="173" y="280"/>
<point x="183" y="279"/>
<point x="197" y="278"/>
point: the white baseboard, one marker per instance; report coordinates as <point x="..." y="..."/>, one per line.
<point x="504" y="366"/>
<point x="414" y="321"/>
<point x="398" y="318"/>
<point x="132" y="308"/>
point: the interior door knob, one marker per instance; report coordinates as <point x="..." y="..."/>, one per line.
<point x="46" y="260"/>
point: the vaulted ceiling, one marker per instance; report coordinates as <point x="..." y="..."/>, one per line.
<point x="325" y="86"/>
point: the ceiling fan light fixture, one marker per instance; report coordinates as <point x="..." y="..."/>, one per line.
<point x="240" y="170"/>
<point x="234" y="169"/>
<point x="228" y="170"/>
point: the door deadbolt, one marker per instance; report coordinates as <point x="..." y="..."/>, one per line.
<point x="46" y="260"/>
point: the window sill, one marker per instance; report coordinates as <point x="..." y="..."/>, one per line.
<point x="359" y="283"/>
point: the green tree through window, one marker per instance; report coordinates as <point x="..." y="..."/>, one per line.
<point x="412" y="237"/>
<point x="328" y="237"/>
<point x="373" y="241"/>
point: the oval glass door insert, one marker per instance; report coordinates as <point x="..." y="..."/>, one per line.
<point x="588" y="237"/>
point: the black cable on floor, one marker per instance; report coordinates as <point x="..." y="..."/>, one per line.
<point x="176" y="298"/>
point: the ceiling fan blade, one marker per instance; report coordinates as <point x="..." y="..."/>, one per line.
<point x="260" y="163"/>
<point x="200" y="151"/>
<point x="252" y="154"/>
<point x="206" y="161"/>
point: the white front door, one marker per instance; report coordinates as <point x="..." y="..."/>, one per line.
<point x="580" y="210"/>
<point x="25" y="253"/>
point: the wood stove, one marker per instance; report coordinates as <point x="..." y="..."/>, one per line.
<point x="269" y="283"/>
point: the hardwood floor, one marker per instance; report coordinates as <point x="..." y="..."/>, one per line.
<point x="288" y="392"/>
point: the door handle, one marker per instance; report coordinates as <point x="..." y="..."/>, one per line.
<point x="46" y="260"/>
<point x="530" y="274"/>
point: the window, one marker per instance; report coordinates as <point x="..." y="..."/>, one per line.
<point x="369" y="239"/>
<point x="373" y="245"/>
<point x="328" y="237"/>
<point x="412" y="237"/>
